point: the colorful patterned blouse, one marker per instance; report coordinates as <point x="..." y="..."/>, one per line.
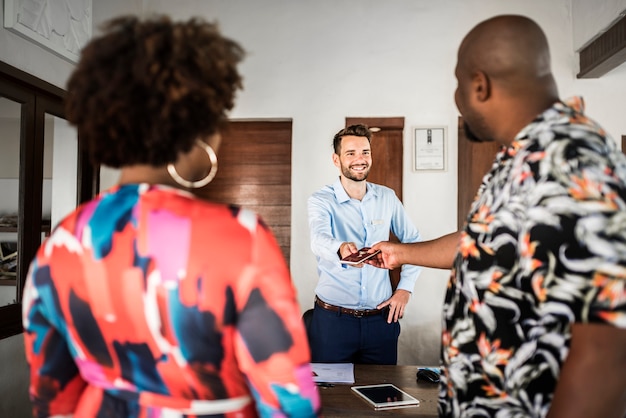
<point x="148" y="302"/>
<point x="544" y="246"/>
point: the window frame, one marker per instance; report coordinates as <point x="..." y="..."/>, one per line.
<point x="37" y="98"/>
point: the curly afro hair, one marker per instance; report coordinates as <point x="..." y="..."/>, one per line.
<point x="145" y="90"/>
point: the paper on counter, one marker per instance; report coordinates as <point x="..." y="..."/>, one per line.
<point x="333" y="372"/>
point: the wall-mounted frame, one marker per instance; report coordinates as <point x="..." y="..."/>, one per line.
<point x="63" y="27"/>
<point x="429" y="148"/>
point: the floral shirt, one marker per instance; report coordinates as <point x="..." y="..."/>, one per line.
<point x="544" y="246"/>
<point x="148" y="302"/>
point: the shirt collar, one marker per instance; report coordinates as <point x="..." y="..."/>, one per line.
<point x="342" y="196"/>
<point x="561" y="109"/>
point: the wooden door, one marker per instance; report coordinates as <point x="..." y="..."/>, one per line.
<point x="475" y="160"/>
<point x="254" y="172"/>
<point x="387" y="149"/>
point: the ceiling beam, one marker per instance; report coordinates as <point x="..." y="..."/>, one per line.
<point x="605" y="53"/>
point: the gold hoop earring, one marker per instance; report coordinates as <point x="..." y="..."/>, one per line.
<point x="200" y="183"/>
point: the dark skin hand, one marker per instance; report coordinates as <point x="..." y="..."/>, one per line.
<point x="437" y="253"/>
<point x="397" y="302"/>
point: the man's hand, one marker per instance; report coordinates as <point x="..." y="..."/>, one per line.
<point x="347" y="248"/>
<point x="396" y="304"/>
<point x="437" y="253"/>
<point x="387" y="258"/>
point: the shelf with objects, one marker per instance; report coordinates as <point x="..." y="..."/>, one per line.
<point x="8" y="247"/>
<point x="8" y="263"/>
<point x="8" y="250"/>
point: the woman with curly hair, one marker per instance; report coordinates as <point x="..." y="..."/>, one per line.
<point x="148" y="301"/>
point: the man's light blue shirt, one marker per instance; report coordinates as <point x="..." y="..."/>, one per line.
<point x="335" y="218"/>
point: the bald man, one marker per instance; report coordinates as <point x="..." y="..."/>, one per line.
<point x="535" y="312"/>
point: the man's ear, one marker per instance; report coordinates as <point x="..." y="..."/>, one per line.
<point x="336" y="160"/>
<point x="481" y="86"/>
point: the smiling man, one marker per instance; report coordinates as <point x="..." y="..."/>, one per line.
<point x="356" y="311"/>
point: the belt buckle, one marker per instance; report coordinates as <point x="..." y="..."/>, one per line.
<point x="358" y="314"/>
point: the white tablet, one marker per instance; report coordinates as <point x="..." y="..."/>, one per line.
<point x="385" y="396"/>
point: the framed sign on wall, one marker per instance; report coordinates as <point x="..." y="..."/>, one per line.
<point x="429" y="148"/>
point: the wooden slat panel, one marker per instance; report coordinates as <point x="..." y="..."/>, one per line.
<point x="273" y="215"/>
<point x="283" y="238"/>
<point x="286" y="253"/>
<point x="250" y="194"/>
<point x="229" y="173"/>
<point x="259" y="142"/>
<point x="249" y="130"/>
<point x="382" y="122"/>
<point x="282" y="233"/>
<point x="255" y="172"/>
<point x="267" y="153"/>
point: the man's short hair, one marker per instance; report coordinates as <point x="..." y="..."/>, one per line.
<point x="352" y="130"/>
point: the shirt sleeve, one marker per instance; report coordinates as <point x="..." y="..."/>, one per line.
<point x="404" y="229"/>
<point x="55" y="383"/>
<point x="272" y="346"/>
<point x="323" y="243"/>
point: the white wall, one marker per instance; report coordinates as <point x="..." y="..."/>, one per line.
<point x="318" y="62"/>
<point x="591" y="18"/>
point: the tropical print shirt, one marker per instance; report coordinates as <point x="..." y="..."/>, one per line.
<point x="148" y="302"/>
<point x="544" y="246"/>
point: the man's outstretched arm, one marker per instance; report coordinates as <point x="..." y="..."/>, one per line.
<point x="436" y="253"/>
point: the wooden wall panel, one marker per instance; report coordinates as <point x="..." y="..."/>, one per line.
<point x="254" y="171"/>
<point x="253" y="194"/>
<point x="474" y="162"/>
<point x="251" y="173"/>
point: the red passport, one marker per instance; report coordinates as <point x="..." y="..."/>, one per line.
<point x="359" y="257"/>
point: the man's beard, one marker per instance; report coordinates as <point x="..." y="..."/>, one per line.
<point x="348" y="174"/>
<point x="471" y="136"/>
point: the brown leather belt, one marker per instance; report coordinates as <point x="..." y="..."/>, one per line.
<point x="354" y="312"/>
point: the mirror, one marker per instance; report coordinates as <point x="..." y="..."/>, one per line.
<point x="10" y="126"/>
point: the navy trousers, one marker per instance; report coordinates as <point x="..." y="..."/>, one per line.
<point x="341" y="338"/>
